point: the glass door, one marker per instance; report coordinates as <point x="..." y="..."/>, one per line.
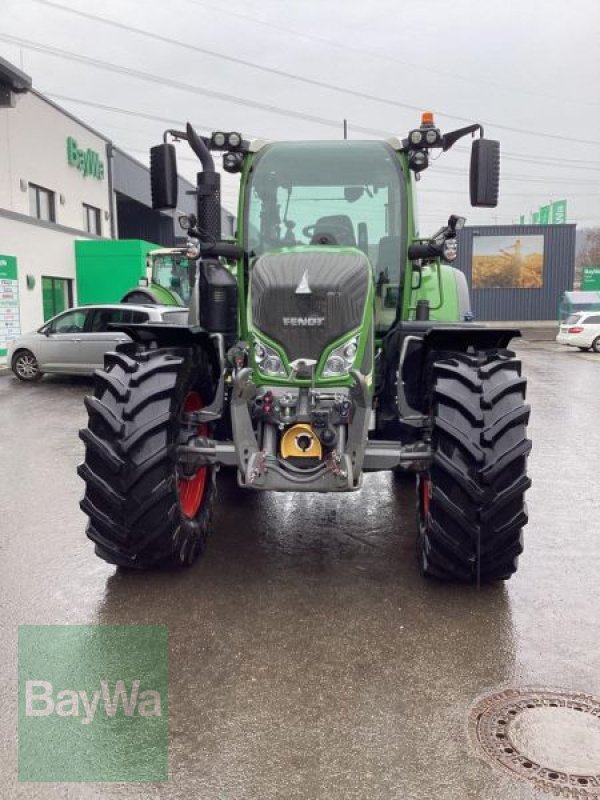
<point x="57" y="295"/>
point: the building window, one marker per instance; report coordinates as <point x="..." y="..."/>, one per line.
<point x="57" y="295"/>
<point x="91" y="219"/>
<point x="41" y="203"/>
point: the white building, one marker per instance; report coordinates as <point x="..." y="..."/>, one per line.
<point x="54" y="187"/>
<point x="61" y="180"/>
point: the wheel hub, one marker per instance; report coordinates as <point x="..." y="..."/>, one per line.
<point x="26" y="366"/>
<point x="192" y="488"/>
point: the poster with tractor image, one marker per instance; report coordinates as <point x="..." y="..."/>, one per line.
<point x="508" y="262"/>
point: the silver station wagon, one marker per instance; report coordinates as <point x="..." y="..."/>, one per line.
<point x="74" y="342"/>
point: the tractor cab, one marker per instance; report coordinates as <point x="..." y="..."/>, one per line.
<point x="170" y="269"/>
<point x="347" y="195"/>
<point x="167" y="279"/>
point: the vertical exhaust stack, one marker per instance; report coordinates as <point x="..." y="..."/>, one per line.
<point x="164" y="181"/>
<point x="209" y="204"/>
<point x="208" y="187"/>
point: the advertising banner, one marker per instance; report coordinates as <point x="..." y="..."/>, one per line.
<point x="508" y="262"/>
<point x="10" y="322"/>
<point x="559" y="212"/>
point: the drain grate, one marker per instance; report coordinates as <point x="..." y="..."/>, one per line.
<point x="548" y="737"/>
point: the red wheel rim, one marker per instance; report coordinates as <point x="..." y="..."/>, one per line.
<point x="425" y="490"/>
<point x="192" y="490"/>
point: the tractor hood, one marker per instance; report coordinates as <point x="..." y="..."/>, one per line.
<point x="306" y="298"/>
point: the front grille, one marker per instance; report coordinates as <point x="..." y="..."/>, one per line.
<point x="338" y="284"/>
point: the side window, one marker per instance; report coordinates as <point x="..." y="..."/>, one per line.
<point x="42" y="203"/>
<point x="595" y="320"/>
<point x="138" y="317"/>
<point x="71" y="322"/>
<point x="103" y="318"/>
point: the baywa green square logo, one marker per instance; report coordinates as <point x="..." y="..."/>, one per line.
<point x="93" y="703"/>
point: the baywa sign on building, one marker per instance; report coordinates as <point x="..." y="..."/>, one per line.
<point x="93" y="703"/>
<point x="87" y="161"/>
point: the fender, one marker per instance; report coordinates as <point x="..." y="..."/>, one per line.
<point x="191" y="336"/>
<point x="410" y="346"/>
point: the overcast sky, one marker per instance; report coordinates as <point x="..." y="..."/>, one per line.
<point x="532" y="66"/>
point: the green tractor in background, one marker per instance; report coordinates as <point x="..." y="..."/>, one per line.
<point x="329" y="340"/>
<point x="166" y="281"/>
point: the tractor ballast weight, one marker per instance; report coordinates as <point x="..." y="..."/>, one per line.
<point x="328" y="340"/>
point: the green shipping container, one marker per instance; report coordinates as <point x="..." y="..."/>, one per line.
<point x="105" y="270"/>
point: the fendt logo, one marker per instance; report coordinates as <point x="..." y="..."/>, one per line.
<point x="41" y="701"/>
<point x="303" y="322"/>
<point x="86" y="161"/>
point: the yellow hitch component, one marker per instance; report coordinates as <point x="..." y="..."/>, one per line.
<point x="300" y="442"/>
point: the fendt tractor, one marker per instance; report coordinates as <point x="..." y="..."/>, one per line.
<point x="329" y="339"/>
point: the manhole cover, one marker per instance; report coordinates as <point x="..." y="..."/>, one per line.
<point x="550" y="737"/>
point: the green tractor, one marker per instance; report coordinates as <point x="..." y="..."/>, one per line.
<point x="329" y="340"/>
<point x="166" y="281"/>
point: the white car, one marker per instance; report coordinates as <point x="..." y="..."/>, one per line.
<point x="74" y="342"/>
<point x="581" y="330"/>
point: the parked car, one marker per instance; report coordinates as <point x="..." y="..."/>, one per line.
<point x="581" y="330"/>
<point x="74" y="342"/>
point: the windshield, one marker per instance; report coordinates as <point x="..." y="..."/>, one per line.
<point x="171" y="272"/>
<point x="336" y="193"/>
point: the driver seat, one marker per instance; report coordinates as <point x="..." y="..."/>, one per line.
<point x="336" y="229"/>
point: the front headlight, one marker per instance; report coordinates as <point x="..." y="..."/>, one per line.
<point x="450" y="249"/>
<point x="341" y="360"/>
<point x="268" y="360"/>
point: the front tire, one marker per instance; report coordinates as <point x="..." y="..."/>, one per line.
<point x="471" y="507"/>
<point x="25" y="366"/>
<point x="142" y="513"/>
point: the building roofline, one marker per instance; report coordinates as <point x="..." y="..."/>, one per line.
<point x="71" y="116"/>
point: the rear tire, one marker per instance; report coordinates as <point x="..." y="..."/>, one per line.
<point x="470" y="503"/>
<point x="141" y="512"/>
<point x="596" y="345"/>
<point x="25" y="366"/>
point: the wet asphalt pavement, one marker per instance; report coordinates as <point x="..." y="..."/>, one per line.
<point x="308" y="658"/>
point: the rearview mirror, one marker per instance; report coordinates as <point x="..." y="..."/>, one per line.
<point x="163" y="176"/>
<point x="484" y="175"/>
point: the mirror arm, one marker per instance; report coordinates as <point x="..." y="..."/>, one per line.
<point x="199" y="145"/>
<point x="200" y="148"/>
<point x="177" y="135"/>
<point x="449" y="139"/>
